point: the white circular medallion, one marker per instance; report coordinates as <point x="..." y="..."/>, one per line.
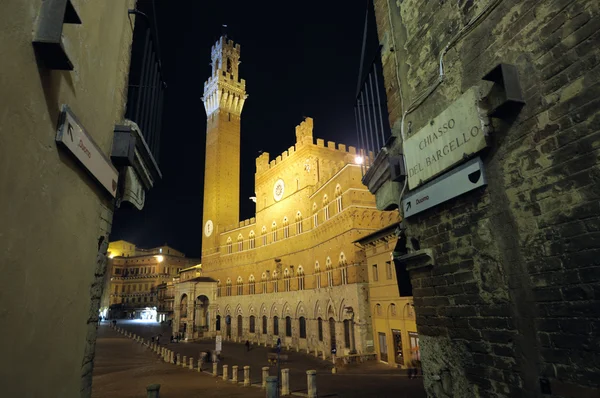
<point x="278" y="190"/>
<point x="208" y="228"/>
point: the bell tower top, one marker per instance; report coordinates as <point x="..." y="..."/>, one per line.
<point x="224" y="90"/>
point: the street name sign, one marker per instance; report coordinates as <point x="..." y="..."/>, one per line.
<point x="453" y="135"/>
<point x="76" y="140"/>
<point x="464" y="178"/>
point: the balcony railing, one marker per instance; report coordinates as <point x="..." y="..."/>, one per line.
<point x="373" y="129"/>
<point x="370" y="112"/>
<point x="146" y="83"/>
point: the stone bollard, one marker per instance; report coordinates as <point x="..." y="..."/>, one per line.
<point x="333" y="370"/>
<point x="234" y="374"/>
<point x="323" y="353"/>
<point x="272" y="387"/>
<point x="171" y="357"/>
<point x="307" y="351"/>
<point x="311" y="383"/>
<point x="316" y="352"/>
<point x="152" y="391"/>
<point x="246" y="375"/>
<point x="225" y="377"/>
<point x="214" y="369"/>
<point x="297" y="348"/>
<point x="191" y="363"/>
<point x="285" y="382"/>
<point x="183" y="361"/>
<point x="178" y="361"/>
<point x="265" y="374"/>
<point x="200" y="365"/>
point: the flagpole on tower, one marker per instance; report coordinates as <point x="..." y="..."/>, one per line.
<point x="224" y="30"/>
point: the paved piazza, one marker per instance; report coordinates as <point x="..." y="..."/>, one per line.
<point x="351" y="381"/>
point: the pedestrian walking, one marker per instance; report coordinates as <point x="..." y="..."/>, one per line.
<point x="152" y="339"/>
<point x="247" y="345"/>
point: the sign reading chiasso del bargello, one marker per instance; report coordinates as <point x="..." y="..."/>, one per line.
<point x="456" y="133"/>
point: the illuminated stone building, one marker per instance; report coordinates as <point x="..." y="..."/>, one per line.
<point x="293" y="271"/>
<point x="135" y="275"/>
<point x="390" y="293"/>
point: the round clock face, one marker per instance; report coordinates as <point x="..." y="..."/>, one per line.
<point x="208" y="228"/>
<point x="278" y="190"/>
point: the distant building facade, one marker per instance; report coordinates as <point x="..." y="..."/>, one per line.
<point x="135" y="277"/>
<point x="293" y="271"/>
<point x="390" y="294"/>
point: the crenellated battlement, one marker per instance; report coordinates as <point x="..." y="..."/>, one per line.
<point x="241" y="224"/>
<point x="304" y="137"/>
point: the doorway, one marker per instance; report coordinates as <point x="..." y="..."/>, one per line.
<point x="332" y="332"/>
<point x="383" y="352"/>
<point x="228" y="326"/>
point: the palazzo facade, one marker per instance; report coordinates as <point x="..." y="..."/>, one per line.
<point x="294" y="270"/>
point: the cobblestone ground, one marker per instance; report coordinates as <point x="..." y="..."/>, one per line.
<point x="123" y="369"/>
<point x="351" y="381"/>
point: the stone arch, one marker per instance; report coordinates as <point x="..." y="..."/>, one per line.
<point x="239" y="310"/>
<point x="227" y="310"/>
<point x="273" y="225"/>
<point x="275" y="274"/>
<point x="298" y="215"/>
<point x="328" y="263"/>
<point x="250" y="309"/>
<point x="263" y="309"/>
<point x="300" y="270"/>
<point x="300" y="310"/>
<point x="325" y="199"/>
<point x="341" y="311"/>
<point x="318" y="311"/>
<point x="240" y="280"/>
<point x="229" y="239"/>
<point x="263" y="230"/>
<point x="251" y="234"/>
<point x="286" y="311"/>
<point x="342" y="259"/>
<point x="286" y="273"/>
<point x="274" y="311"/>
<point x="331" y="310"/>
<point x="338" y="190"/>
<point x="264" y="276"/>
<point x="314" y="208"/>
<point x="251" y="278"/>
<point x="285" y="220"/>
<point x="317" y="267"/>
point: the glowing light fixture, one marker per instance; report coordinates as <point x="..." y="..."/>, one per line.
<point x="159" y="258"/>
<point x="358" y="159"/>
<point x="111" y="255"/>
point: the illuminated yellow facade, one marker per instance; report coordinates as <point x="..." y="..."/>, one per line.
<point x="390" y="294"/>
<point x="135" y="274"/>
<point x="292" y="271"/>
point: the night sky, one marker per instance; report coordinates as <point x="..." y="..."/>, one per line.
<point x="298" y="59"/>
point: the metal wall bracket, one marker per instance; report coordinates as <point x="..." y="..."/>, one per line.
<point x="506" y="96"/>
<point x="47" y="41"/>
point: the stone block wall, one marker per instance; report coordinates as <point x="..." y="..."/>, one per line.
<point x="511" y="305"/>
<point x="55" y="217"/>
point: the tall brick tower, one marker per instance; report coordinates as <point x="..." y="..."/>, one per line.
<point x="224" y="96"/>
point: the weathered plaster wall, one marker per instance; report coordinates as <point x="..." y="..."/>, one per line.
<point x="52" y="213"/>
<point x="513" y="295"/>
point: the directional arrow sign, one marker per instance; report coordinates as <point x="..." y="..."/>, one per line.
<point x="458" y="181"/>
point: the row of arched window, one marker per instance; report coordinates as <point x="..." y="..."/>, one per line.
<point x="331" y="324"/>
<point x="287" y="279"/>
<point x="284" y="231"/>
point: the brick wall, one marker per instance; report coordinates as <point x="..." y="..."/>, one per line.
<point x="512" y="300"/>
